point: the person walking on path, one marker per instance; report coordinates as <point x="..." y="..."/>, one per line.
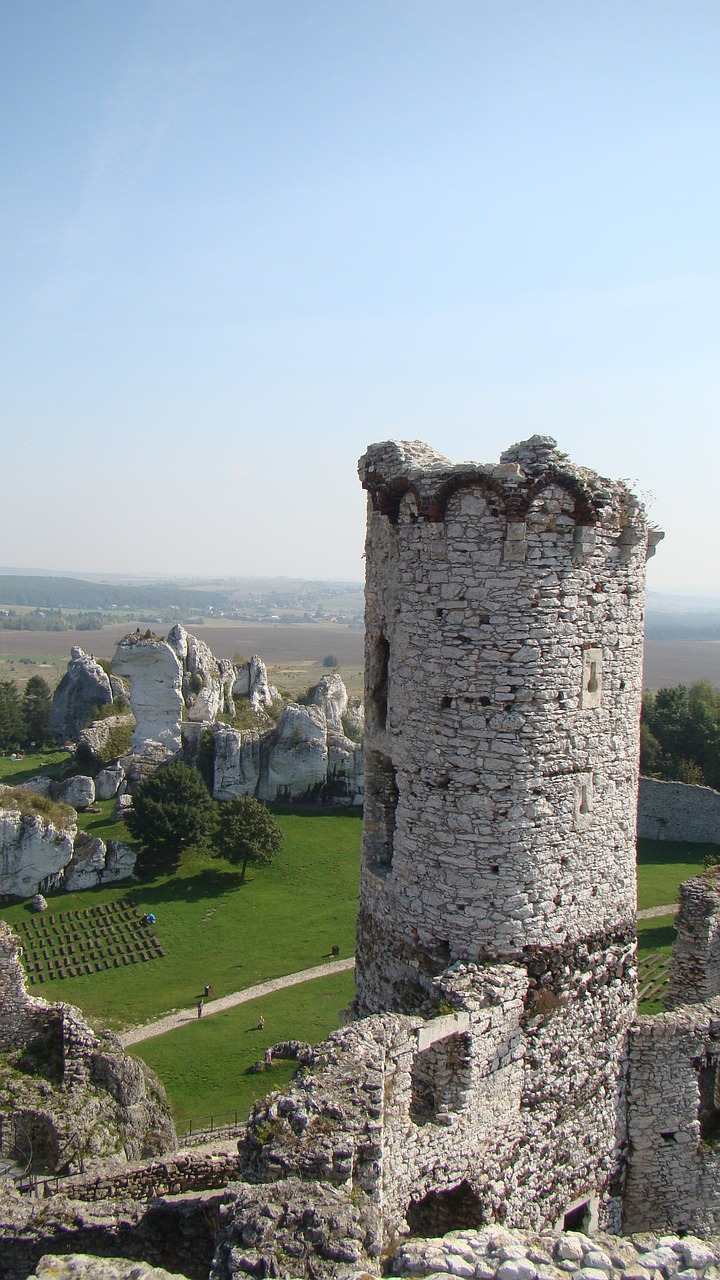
<point x="200" y="1007"/>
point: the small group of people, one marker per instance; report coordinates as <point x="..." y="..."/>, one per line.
<point x="148" y="918"/>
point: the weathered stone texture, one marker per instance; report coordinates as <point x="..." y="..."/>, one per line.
<point x="156" y="699"/>
<point x="674" y="1121"/>
<point x="84" y="686"/>
<point x="33" y="852"/>
<point x="502" y="701"/>
<point x="695" y="965"/>
<point x="678" y="811"/>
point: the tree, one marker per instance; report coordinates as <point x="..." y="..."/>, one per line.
<point x="330" y="660"/>
<point x="170" y="810"/>
<point x="36" y="704"/>
<point x="246" y="832"/>
<point x="11" y="724"/>
<point x="680" y="733"/>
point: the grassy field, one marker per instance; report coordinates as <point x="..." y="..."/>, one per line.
<point x="187" y="1059"/>
<point x="662" y="866"/>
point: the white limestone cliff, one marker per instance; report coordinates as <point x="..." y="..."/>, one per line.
<point x="156" y="697"/>
<point x="85" y="685"/>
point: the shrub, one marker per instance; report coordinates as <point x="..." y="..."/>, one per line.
<point x="330" y="660"/>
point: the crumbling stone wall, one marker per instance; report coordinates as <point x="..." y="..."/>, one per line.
<point x="78" y="1095"/>
<point x="678" y="811"/>
<point x="695" y="965"/>
<point x="674" y="1121"/>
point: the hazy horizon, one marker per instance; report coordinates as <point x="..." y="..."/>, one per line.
<point x="243" y="241"/>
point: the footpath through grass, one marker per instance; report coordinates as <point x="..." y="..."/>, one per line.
<point x="205" y="1066"/>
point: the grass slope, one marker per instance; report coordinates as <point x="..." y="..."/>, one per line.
<point x="205" y="1065"/>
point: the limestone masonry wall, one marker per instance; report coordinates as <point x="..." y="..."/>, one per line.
<point x="504" y="630"/>
<point x="677" y="811"/>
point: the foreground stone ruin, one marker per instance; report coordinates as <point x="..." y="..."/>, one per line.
<point x="493" y="1106"/>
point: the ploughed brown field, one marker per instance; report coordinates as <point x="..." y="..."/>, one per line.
<point x="273" y="642"/>
<point x="667" y="662"/>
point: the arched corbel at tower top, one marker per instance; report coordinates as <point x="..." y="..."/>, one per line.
<point x="585" y="510"/>
<point x="472" y="478"/>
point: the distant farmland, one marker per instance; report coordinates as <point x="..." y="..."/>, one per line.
<point x="667" y="662"/>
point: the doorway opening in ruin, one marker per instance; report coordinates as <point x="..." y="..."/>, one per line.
<point x="381" y="802"/>
<point x="378" y="670"/>
<point x="440" y="1079"/>
<point x="438" y="1212"/>
<point x="709" y="1105"/>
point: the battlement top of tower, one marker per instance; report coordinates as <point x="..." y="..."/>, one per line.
<point x="390" y="469"/>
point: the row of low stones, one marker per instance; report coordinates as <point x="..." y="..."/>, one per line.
<point x="484" y="1255"/>
<point x="497" y="1254"/>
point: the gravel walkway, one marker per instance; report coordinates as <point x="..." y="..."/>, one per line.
<point x="135" y="1034"/>
<point x="651" y="912"/>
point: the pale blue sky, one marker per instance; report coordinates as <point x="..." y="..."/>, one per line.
<point x="242" y="239"/>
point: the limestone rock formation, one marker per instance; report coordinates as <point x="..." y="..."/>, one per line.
<point x="78" y="792"/>
<point x="94" y="863"/>
<point x="83" y="1266"/>
<point x="84" y="686"/>
<point x="97" y="737"/>
<point x="305" y="757"/>
<point x="108" y="782"/>
<point x="33" y="850"/>
<point x="205" y="680"/>
<point x="36" y="853"/>
<point x="155" y="673"/>
<point x="80" y="1096"/>
<point x="251" y="682"/>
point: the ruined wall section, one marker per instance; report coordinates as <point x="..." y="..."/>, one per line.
<point x="413" y="1111"/>
<point x="678" y="811"/>
<point x="674" y="1122"/>
<point x="695" y="963"/>
<point x="504" y="614"/>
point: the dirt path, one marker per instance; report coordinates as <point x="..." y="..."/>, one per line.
<point x="651" y="912"/>
<point x="150" y="1029"/>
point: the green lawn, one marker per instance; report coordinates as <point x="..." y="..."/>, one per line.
<point x="204" y="1065"/>
<point x="662" y="866"/>
<point x="216" y="930"/>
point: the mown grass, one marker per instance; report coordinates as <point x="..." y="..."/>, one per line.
<point x="663" y="865"/>
<point x="205" y="1066"/>
<point x="214" y="929"/>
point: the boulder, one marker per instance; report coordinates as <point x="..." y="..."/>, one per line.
<point x="78" y="792"/>
<point x="41" y="785"/>
<point x="155" y="673"/>
<point x="119" y="862"/>
<point x="38" y="903"/>
<point x="86" y="867"/>
<point x="108" y="781"/>
<point x="84" y="686"/>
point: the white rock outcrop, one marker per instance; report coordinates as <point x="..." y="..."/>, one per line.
<point x="94" y="863"/>
<point x="306" y="757"/>
<point x="33" y="852"/>
<point x="155" y="673"/>
<point x="84" y="686"/>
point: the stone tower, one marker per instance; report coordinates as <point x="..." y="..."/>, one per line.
<point x="504" y="644"/>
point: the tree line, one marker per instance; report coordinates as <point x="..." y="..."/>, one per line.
<point x="25" y="717"/>
<point x="680" y="734"/>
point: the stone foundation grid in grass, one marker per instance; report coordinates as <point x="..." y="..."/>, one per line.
<point x="71" y="944"/>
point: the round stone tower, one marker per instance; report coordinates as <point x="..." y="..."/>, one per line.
<point x="504" y="643"/>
